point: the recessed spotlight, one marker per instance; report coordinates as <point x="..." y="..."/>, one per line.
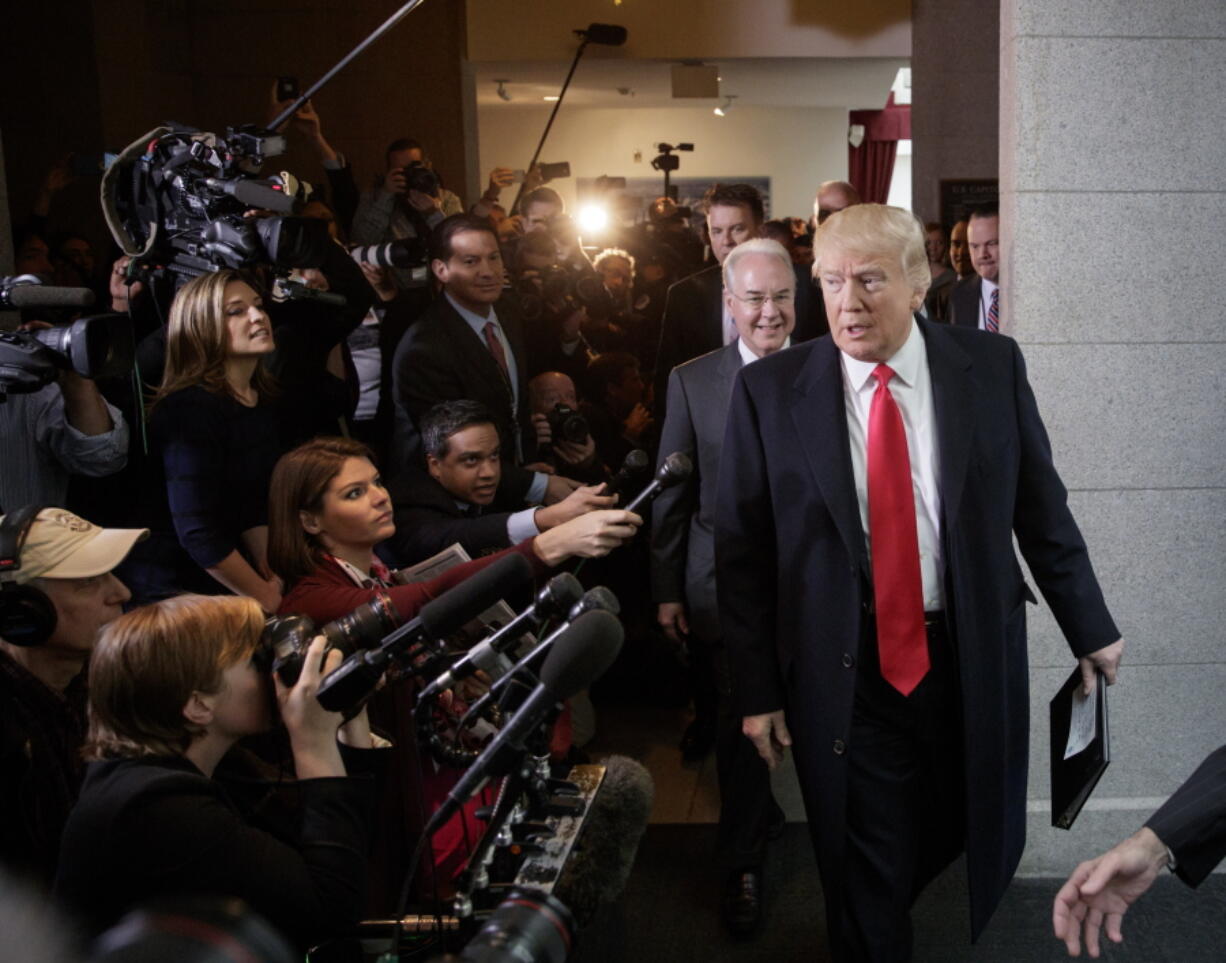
<point x="502" y="89"/>
<point x="722" y="110"/>
<point x="550" y="98"/>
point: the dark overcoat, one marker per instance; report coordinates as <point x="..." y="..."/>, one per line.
<point x="794" y="588"/>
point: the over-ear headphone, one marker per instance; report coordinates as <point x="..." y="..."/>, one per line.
<point x="27" y="616"/>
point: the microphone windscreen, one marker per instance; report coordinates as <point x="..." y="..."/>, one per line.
<point x="43" y="296"/>
<point x="582" y="653"/>
<point x="609" y="34"/>
<point x="451" y="610"/>
<point x="598" y="867"/>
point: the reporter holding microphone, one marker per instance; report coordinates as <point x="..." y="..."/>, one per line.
<point x="173" y="687"/>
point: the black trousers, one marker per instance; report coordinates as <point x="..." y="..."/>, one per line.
<point x="905" y="801"/>
<point x="747" y="806"/>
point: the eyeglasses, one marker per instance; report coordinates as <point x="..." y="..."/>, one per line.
<point x="757" y="300"/>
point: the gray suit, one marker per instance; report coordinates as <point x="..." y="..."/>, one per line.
<point x="683" y="517"/>
<point x="683" y="569"/>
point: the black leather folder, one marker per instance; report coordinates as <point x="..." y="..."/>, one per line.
<point x="1074" y="778"/>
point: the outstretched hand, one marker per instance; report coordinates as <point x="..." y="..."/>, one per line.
<point x="1101" y="891"/>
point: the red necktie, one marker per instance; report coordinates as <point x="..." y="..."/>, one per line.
<point x="902" y="641"/>
<point x="495" y="346"/>
<point x="993" y="319"/>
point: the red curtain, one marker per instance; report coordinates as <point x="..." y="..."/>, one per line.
<point x="871" y="165"/>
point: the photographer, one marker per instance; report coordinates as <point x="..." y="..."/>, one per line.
<point x="563" y="437"/>
<point x="617" y="417"/>
<point x="407" y="202"/>
<point x="173" y="688"/>
<point x="62" y="429"/>
<point x="341" y="185"/>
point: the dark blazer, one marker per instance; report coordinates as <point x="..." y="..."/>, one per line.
<point x="964" y="302"/>
<point x="428" y="520"/>
<point x="693" y="322"/>
<point x="683" y="517"/>
<point x="1193" y="821"/>
<point x="791" y="563"/>
<point x="442" y="359"/>
<point x="155" y="827"/>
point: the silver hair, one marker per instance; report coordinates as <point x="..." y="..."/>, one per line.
<point x="759" y="245"/>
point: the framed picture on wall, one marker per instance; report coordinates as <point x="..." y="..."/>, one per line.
<point x="960" y="197"/>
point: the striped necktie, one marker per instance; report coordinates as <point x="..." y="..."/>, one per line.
<point x="992" y="322"/>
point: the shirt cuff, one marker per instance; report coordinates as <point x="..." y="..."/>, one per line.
<point x="521" y="526"/>
<point x="536" y="491"/>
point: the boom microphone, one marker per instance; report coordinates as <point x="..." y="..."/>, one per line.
<point x="594" y="641"/>
<point x="598" y="867"/>
<point x="559" y="594"/>
<point x="25" y="291"/>
<point x="608" y="34"/>
<point x="676" y="468"/>
<point x="635" y="464"/>
<point x="357" y="676"/>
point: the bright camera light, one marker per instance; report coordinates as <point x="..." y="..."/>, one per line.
<point x="593" y="218"/>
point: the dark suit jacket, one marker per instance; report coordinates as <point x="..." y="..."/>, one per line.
<point x="964" y="302"/>
<point x="428" y="520"/>
<point x="683" y="517"/>
<point x="693" y="322"/>
<point x="1193" y="821"/>
<point x="792" y="567"/>
<point x="442" y="359"/>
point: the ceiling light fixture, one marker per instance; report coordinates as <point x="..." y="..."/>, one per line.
<point x="502" y="89"/>
<point x="552" y="98"/>
<point x="722" y="110"/>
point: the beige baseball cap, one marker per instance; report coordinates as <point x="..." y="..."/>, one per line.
<point x="63" y="545"/>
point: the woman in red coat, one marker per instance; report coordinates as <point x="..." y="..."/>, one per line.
<point x="327" y="511"/>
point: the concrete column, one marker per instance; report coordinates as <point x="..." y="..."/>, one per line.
<point x="955" y="68"/>
<point x="1113" y="191"/>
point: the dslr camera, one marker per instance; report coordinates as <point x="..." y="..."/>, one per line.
<point x="566" y="424"/>
<point x="286" y="638"/>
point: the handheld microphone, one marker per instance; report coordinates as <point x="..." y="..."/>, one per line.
<point x="27" y="291"/>
<point x="635" y="463"/>
<point x="555" y="599"/>
<point x="598" y="599"/>
<point x="357" y="676"/>
<point x="675" y="469"/>
<point x="594" y="641"/>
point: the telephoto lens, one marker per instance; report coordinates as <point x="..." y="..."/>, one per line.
<point x="286" y="637"/>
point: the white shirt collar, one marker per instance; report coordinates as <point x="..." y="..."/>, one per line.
<point x="748" y="357"/>
<point x="475" y="321"/>
<point x="988" y="287"/>
<point x="905" y="362"/>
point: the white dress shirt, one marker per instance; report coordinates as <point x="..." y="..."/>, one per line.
<point x="911" y="387"/>
<point x="748" y="357"/>
<point x="986" y="288"/>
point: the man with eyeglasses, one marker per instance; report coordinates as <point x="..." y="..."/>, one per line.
<point x="696" y="319"/>
<point x="759" y="287"/>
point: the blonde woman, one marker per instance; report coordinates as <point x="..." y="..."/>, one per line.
<point x="214" y="438"/>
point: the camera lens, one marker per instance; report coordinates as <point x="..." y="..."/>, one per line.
<point x="364" y="627"/>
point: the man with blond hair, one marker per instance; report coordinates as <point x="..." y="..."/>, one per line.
<point x="870" y="488"/>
